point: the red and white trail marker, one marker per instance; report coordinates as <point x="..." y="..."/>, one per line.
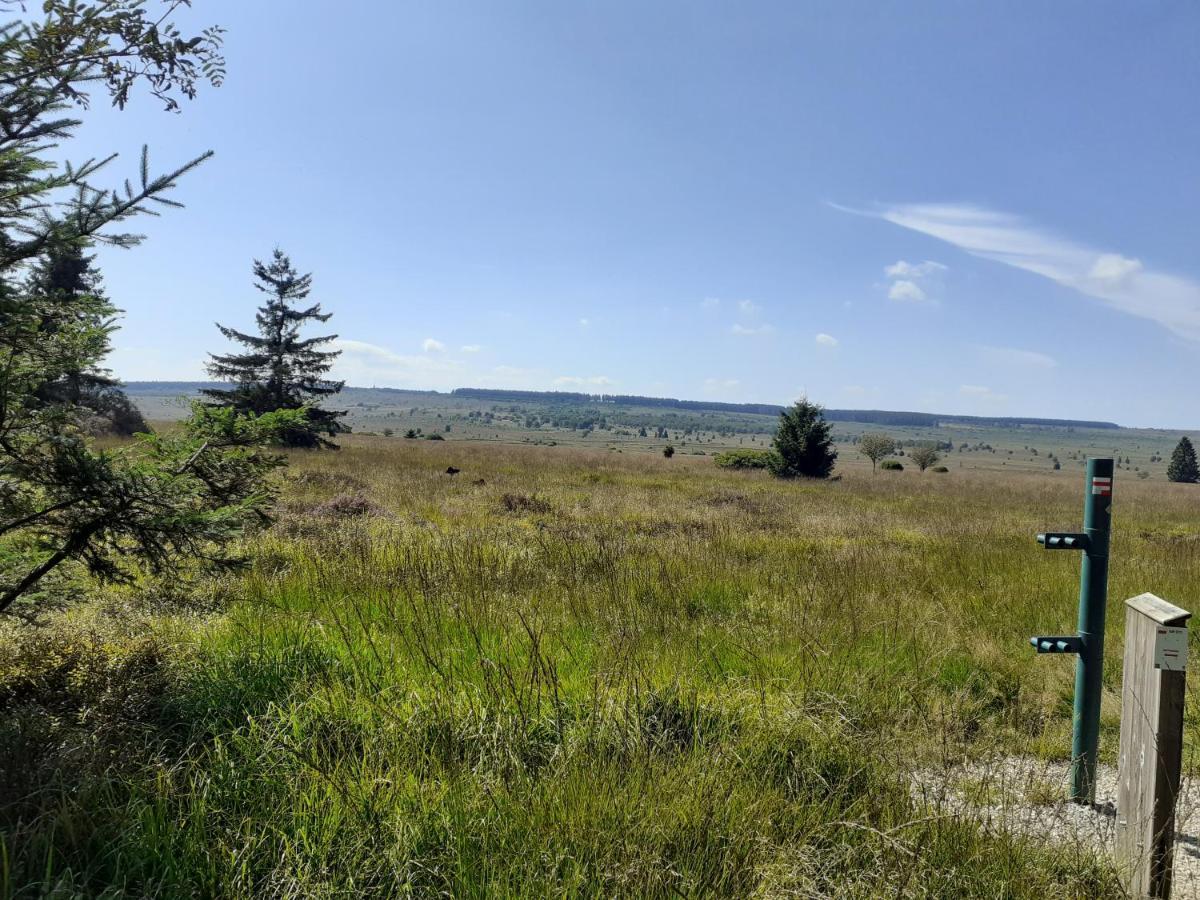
<point x="1102" y="486"/>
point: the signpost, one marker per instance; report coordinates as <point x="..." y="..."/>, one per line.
<point x="1088" y="644"/>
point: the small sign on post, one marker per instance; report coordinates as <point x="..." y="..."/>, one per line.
<point x="1151" y="742"/>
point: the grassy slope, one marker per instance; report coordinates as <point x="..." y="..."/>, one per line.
<point x="590" y="674"/>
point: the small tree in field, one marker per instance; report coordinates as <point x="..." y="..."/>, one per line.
<point x="924" y="455"/>
<point x="803" y="443"/>
<point x="280" y="369"/>
<point x="668" y="451"/>
<point x="1183" y="465"/>
<point x="875" y="446"/>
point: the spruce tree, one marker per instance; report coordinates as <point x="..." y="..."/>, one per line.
<point x="67" y="282"/>
<point x="1183" y="465"/>
<point x="156" y="502"/>
<point x="281" y="370"/>
<point x="803" y="443"/>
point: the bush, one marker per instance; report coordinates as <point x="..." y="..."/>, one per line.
<point x="803" y="443"/>
<point x="940" y="469"/>
<point x="434" y="437"/>
<point x="744" y="459"/>
<point x="668" y="451"/>
<point x="890" y="465"/>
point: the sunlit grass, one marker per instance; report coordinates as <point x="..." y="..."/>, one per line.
<point x="562" y="672"/>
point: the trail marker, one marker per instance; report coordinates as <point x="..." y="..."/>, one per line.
<point x="1151" y="742"/>
<point x="1089" y="643"/>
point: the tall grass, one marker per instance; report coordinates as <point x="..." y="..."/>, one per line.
<point x="570" y="673"/>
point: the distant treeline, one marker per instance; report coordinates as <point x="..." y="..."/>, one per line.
<point x="870" y="416"/>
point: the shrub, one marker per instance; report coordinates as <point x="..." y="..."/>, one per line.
<point x="803" y="443"/>
<point x="668" y="451"/>
<point x="434" y="437"/>
<point x="744" y="459"/>
<point x="890" y="465"/>
<point x="525" y="503"/>
<point x="940" y="469"/>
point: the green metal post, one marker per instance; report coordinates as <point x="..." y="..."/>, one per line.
<point x="1093" y="600"/>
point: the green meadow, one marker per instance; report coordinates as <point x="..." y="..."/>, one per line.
<point x="569" y="672"/>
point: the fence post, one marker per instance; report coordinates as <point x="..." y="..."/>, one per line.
<point x="1151" y="746"/>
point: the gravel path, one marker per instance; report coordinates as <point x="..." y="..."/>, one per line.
<point x="1025" y="796"/>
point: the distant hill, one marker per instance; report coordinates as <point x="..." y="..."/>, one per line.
<point x="896" y="418"/>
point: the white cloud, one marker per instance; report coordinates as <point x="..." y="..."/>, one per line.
<point x="431" y="345"/>
<point x="977" y="390"/>
<point x="903" y="269"/>
<point x="980" y="395"/>
<point x="720" y="387"/>
<point x="362" y="363"/>
<point x="826" y="340"/>
<point x="584" y="323"/>
<point x="1118" y="281"/>
<point x="1011" y="357"/>
<point x="749" y="308"/>
<point x="593" y="380"/>
<point x="746" y="330"/>
<point x="907" y="292"/>
<point x="471" y="348"/>
<point x="710" y="302"/>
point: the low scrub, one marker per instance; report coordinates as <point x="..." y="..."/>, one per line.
<point x="745" y="459"/>
<point x="891" y="465"/>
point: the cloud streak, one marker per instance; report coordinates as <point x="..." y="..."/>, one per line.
<point x="1119" y="282"/>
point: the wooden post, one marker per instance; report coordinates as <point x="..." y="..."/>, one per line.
<point x="1151" y="742"/>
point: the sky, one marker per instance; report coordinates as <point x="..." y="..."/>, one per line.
<point x="944" y="206"/>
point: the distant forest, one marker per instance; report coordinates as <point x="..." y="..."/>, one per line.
<point x="871" y="416"/>
<point x="572" y="398"/>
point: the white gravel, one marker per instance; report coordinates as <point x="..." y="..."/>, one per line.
<point x="1026" y="796"/>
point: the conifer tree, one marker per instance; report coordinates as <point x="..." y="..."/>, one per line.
<point x="67" y="282"/>
<point x="803" y="443"/>
<point x="160" y="501"/>
<point x="280" y="370"/>
<point x="1183" y="466"/>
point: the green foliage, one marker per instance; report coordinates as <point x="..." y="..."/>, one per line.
<point x="1182" y="466"/>
<point x="803" y="443"/>
<point x="280" y="369"/>
<point x="924" y="455"/>
<point x="875" y="446"/>
<point x="892" y="465"/>
<point x="61" y="499"/>
<point x="383" y="710"/>
<point x="745" y="459"/>
<point x="669" y="451"/>
<point x="149" y="506"/>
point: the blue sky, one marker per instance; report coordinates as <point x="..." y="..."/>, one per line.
<point x="939" y="206"/>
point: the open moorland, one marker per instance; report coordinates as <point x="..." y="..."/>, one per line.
<point x="571" y="671"/>
<point x="625" y="427"/>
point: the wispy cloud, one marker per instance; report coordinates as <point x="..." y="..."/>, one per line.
<point x="584" y="323"/>
<point x="1013" y="358"/>
<point x="982" y="395"/>
<point x="362" y="363"/>
<point x="913" y="282"/>
<point x="747" y="330"/>
<point x="720" y="387"/>
<point x="826" y="340"/>
<point x="589" y="381"/>
<point x="907" y="291"/>
<point x="904" y="269"/>
<point x="710" y="302"/>
<point x="749" y="308"/>
<point x="1118" y="281"/>
<point x="471" y="348"/>
<point x="432" y="345"/>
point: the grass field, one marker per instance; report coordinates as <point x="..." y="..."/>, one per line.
<point x="571" y="672"/>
